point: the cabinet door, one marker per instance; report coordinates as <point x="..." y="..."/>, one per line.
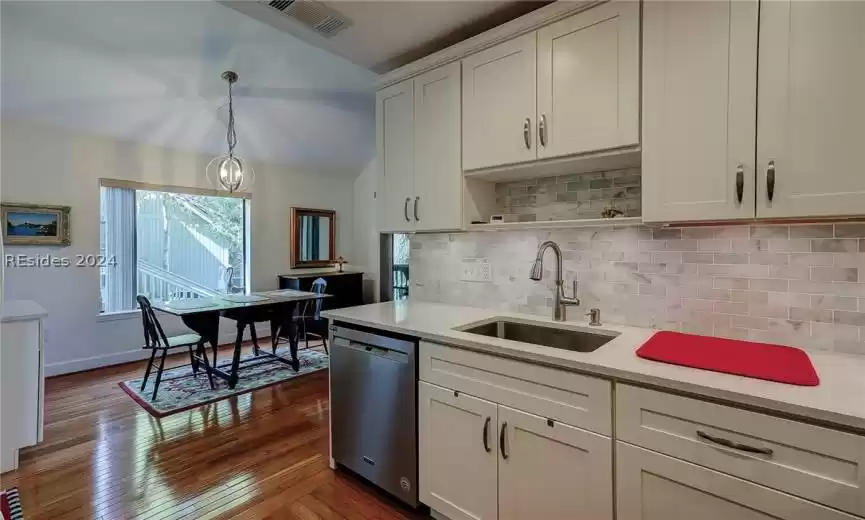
<point x="589" y="81"/>
<point x="20" y="389"/>
<point x="699" y="109"/>
<point x="438" y="175"/>
<point x="553" y="471"/>
<point x="812" y="109"/>
<point x="651" y="486"/>
<point x="395" y="142"/>
<point x="499" y="104"/>
<point x="457" y="465"/>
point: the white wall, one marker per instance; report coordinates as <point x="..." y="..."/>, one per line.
<point x="366" y="236"/>
<point x="44" y="164"/>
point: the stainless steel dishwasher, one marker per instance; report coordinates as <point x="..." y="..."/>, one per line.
<point x="373" y="408"/>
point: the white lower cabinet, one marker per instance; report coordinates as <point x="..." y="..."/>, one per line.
<point x="457" y="459"/>
<point x="480" y="460"/>
<point x="507" y="454"/>
<point x="22" y="384"/>
<point x="651" y="486"/>
<point x="552" y="470"/>
<point x="819" y="464"/>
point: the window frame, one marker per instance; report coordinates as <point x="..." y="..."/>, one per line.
<point x="136" y="186"/>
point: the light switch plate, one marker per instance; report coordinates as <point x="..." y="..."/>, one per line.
<point x="476" y="270"/>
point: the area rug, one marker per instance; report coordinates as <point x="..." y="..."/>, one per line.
<point x="10" y="504"/>
<point x="180" y="390"/>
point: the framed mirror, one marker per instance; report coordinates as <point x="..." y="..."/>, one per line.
<point x="312" y="237"/>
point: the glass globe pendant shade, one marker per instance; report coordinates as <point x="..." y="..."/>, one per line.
<point x="229" y="173"/>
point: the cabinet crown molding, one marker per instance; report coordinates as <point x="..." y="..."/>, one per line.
<point x="517" y="27"/>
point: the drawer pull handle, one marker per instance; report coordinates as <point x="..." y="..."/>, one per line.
<point x="542" y="130"/>
<point x="740" y="182"/>
<point x="770" y="180"/>
<point x="734" y="445"/>
<point x="502" y="440"/>
<point x="487" y="435"/>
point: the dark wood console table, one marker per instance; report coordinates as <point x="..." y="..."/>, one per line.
<point x="345" y="289"/>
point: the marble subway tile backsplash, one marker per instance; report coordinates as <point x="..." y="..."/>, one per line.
<point x="799" y="285"/>
<point x="568" y="197"/>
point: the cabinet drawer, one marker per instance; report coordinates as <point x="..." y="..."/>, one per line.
<point x="820" y="464"/>
<point x="573" y="399"/>
<point x="651" y="486"/>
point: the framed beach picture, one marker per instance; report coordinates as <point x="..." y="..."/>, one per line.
<point x="33" y="224"/>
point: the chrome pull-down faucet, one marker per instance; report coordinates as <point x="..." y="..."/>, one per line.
<point x="560" y="302"/>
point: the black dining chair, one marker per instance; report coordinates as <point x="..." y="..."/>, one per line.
<point x="155" y="339"/>
<point x="309" y="321"/>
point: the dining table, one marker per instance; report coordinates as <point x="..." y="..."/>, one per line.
<point x="202" y="315"/>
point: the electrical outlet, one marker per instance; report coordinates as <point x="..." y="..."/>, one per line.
<point x="476" y="270"/>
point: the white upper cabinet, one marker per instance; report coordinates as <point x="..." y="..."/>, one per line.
<point x="570" y="88"/>
<point x="589" y="81"/>
<point x="499" y="104"/>
<point x="552" y="470"/>
<point x="701" y="84"/>
<point x="395" y="143"/>
<point x="419" y="127"/>
<point x="438" y="181"/>
<point x="811" y="125"/>
<point x="458" y="450"/>
<point x="699" y="110"/>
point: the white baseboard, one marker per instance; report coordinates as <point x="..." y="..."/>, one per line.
<point x="128" y="356"/>
<point x="89" y="363"/>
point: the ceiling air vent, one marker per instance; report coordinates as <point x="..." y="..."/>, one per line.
<point x="315" y="15"/>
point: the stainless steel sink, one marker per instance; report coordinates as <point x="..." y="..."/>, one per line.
<point x="538" y="334"/>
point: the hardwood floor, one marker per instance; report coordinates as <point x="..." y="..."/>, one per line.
<point x="259" y="455"/>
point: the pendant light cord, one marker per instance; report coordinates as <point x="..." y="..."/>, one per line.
<point x="231" y="135"/>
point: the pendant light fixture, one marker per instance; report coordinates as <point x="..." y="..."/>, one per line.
<point x="229" y="172"/>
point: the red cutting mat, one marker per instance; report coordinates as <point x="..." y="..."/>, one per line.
<point x="743" y="358"/>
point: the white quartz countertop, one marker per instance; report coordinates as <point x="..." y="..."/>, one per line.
<point x="21" y="310"/>
<point x="838" y="399"/>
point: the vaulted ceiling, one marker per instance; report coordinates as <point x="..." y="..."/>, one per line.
<point x="385" y="34"/>
<point x="150" y="72"/>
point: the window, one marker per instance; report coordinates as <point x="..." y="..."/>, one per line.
<point x="400" y="266"/>
<point x="169" y="244"/>
<point x="394" y="263"/>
